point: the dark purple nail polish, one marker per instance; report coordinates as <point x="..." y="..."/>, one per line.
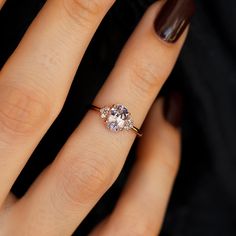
<point x="173" y="107"/>
<point x="173" y="18"/>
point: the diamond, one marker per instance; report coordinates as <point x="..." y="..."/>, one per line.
<point x="104" y="112"/>
<point x="129" y="124"/>
<point x="118" y="118"/>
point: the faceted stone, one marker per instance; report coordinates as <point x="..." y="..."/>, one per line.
<point x="118" y="118"/>
<point x="104" y="112"/>
<point x="129" y="124"/>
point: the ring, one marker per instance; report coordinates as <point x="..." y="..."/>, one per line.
<point x="117" y="118"/>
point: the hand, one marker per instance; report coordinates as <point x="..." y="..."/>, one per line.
<point x="34" y="84"/>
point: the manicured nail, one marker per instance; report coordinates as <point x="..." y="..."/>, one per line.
<point x="173" y="107"/>
<point x="173" y="18"/>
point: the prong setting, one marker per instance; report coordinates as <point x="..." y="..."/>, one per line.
<point x="117" y="117"/>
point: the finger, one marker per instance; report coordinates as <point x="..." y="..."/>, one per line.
<point x="93" y="156"/>
<point x="2" y="3"/>
<point x="35" y="80"/>
<point x="8" y="203"/>
<point x="141" y="207"/>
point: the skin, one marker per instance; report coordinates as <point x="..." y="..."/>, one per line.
<point x="34" y="83"/>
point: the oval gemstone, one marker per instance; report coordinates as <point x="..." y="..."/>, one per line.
<point x="118" y="118"/>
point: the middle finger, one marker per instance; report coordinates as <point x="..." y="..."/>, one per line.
<point x="35" y="80"/>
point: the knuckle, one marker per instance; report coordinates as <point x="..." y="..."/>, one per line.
<point x="146" y="78"/>
<point x="84" y="10"/>
<point x="86" y="181"/>
<point x="21" y="111"/>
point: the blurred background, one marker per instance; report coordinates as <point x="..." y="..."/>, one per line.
<point x="203" y="202"/>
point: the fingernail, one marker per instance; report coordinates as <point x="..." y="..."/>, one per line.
<point x="173" y="107"/>
<point x="173" y="18"/>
